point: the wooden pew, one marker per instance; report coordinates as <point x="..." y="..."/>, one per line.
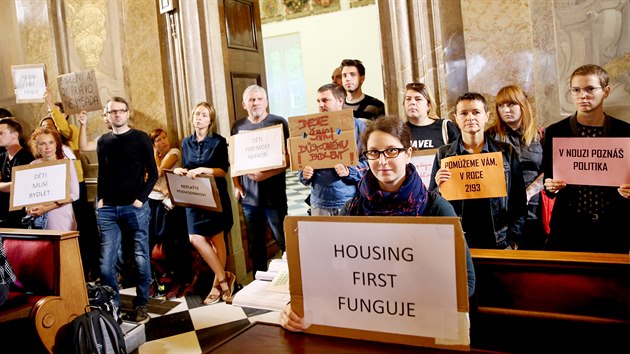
<point x="50" y="287"/>
<point x="541" y="300"/>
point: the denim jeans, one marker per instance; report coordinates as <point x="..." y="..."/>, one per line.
<point x="135" y="222"/>
<point x="257" y="230"/>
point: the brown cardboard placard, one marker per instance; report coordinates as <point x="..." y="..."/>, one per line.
<point x="79" y="92"/>
<point x="200" y="192"/>
<point x="40" y="183"/>
<point x="474" y="176"/>
<point x="322" y="140"/>
<point x="29" y="82"/>
<point x="373" y="223"/>
<point x="257" y="150"/>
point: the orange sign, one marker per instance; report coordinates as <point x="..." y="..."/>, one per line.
<point x="322" y="140"/>
<point x="474" y="176"/>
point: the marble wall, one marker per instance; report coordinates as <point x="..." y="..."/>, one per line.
<point x="538" y="43"/>
<point x="119" y="39"/>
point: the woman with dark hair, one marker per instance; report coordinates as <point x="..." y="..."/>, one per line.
<point x="205" y="153"/>
<point x="46" y="146"/>
<point x="391" y="187"/>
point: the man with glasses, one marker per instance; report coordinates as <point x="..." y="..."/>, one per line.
<point x="332" y="187"/>
<point x="14" y="155"/>
<point x="587" y="218"/>
<point x="365" y="107"/>
<point x="125" y="157"/>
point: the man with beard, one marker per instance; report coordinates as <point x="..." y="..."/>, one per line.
<point x="365" y="107"/>
<point x="263" y="194"/>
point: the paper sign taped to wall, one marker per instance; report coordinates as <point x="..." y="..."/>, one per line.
<point x="592" y="161"/>
<point x="42" y="183"/>
<point x="323" y="140"/>
<point x="29" y="83"/>
<point x="257" y="150"/>
<point x="79" y="92"/>
<point x="474" y="176"/>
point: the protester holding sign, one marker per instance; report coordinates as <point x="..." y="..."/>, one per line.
<point x="518" y="127"/>
<point x="487" y="222"/>
<point x="332" y="187"/>
<point x="587" y="218"/>
<point x="46" y="144"/>
<point x="14" y="155"/>
<point x="206" y="153"/>
<point x="428" y="131"/>
<point x="391" y="187"/>
<point x="263" y="194"/>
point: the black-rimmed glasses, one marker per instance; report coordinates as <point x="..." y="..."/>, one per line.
<point x="113" y="112"/>
<point x="388" y="153"/>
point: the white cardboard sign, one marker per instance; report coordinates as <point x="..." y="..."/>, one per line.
<point x="257" y="150"/>
<point x="41" y="183"/>
<point x="29" y="82"/>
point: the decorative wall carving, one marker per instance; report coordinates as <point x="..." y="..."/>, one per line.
<point x="86" y="25"/>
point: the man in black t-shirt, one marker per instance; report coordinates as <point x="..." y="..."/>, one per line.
<point x="14" y="155"/>
<point x="365" y="107"/>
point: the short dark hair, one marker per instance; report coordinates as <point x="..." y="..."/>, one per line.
<point x="5" y="113"/>
<point x="391" y="125"/>
<point x="356" y="63"/>
<point x="13" y="124"/>
<point x="337" y="91"/>
<point x="591" y="69"/>
<point x="117" y="99"/>
<point x="472" y="96"/>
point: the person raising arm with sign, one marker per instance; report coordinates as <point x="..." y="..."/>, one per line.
<point x="391" y="187"/>
<point x="206" y="153"/>
<point x="487" y="222"/>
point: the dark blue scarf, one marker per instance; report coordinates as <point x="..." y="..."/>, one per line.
<point x="409" y="200"/>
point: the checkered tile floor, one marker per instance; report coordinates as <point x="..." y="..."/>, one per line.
<point x="191" y="327"/>
<point x="185" y="325"/>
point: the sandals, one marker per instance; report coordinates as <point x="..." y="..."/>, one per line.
<point x="215" y="294"/>
<point x="227" y="285"/>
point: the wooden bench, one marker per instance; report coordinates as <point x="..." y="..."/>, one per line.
<point x="50" y="287"/>
<point x="542" y="300"/>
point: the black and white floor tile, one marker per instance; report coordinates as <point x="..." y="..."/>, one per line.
<point x="296" y="194"/>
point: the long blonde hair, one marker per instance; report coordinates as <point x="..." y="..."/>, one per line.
<point x="514" y="94"/>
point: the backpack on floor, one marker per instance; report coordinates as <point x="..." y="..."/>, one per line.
<point x="94" y="332"/>
<point x="102" y="296"/>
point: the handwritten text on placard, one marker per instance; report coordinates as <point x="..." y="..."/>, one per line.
<point x="79" y="92"/>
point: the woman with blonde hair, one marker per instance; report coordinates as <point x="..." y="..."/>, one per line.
<point x="516" y="125"/>
<point x="205" y="153"/>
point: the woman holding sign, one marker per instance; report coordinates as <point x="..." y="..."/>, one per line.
<point x="206" y="153"/>
<point x="46" y="146"/>
<point x="490" y="222"/>
<point x="391" y="187"/>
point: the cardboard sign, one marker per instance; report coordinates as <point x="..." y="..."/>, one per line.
<point x="29" y="83"/>
<point x="592" y="161"/>
<point x="474" y="176"/>
<point x="323" y="140"/>
<point x="409" y="287"/>
<point x="257" y="150"/>
<point x="200" y="192"/>
<point x="79" y="92"/>
<point x="423" y="160"/>
<point x="41" y="183"/>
